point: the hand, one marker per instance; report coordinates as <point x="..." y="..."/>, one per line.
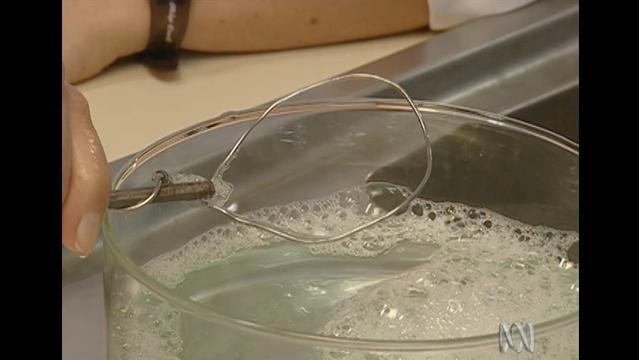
<point x="86" y="177"/>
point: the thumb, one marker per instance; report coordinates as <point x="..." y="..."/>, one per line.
<point x="89" y="180"/>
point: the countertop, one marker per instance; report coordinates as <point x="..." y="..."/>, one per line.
<point x="131" y="107"/>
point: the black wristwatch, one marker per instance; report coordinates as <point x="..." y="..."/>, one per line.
<point x="169" y="19"/>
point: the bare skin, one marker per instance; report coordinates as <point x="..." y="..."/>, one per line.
<point x="97" y="33"/>
<point x="85" y="174"/>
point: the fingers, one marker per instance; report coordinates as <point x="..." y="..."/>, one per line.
<point x="89" y="180"/>
<point x="66" y="141"/>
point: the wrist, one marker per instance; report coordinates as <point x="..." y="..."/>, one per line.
<point x="97" y="33"/>
<point x="132" y="19"/>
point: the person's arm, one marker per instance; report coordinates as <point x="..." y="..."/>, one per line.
<point x="96" y="33"/>
<point x="258" y="25"/>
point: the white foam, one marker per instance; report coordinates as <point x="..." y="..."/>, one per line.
<point x="178" y="178"/>
<point x="487" y="269"/>
<point x="464" y="289"/>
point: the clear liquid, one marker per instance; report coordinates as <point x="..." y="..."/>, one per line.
<point x="439" y="271"/>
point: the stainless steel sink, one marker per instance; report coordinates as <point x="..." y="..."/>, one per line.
<point x="558" y="112"/>
<point x="524" y="64"/>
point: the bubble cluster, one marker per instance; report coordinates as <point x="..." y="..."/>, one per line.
<point x="486" y="269"/>
<point x="144" y="327"/>
<point x="178" y="178"/>
<point x="334" y="214"/>
<point x="476" y="279"/>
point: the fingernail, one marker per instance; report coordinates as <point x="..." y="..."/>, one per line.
<point x="87" y="233"/>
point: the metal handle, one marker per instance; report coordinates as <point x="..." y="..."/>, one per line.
<point x="163" y="191"/>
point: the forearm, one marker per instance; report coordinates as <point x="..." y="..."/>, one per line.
<point x="97" y="33"/>
<point x="257" y="25"/>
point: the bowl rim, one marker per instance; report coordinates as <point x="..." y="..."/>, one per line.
<point x="187" y="305"/>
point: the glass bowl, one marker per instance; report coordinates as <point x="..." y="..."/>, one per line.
<point x="244" y="301"/>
